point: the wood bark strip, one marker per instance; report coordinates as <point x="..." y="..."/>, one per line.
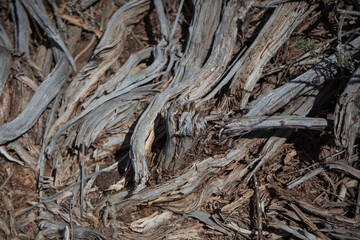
<point x="45" y="93"/>
<point x="276" y="31"/>
<point x="105" y="54"/>
<point x="347" y="114"/>
<point x="253" y="123"/>
<point x="24" y="30"/>
<point x="42" y="19"/>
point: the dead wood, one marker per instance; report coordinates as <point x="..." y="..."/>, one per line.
<point x="347" y="113"/>
<point x="5" y="59"/>
<point x="247" y="124"/>
<point x="176" y="107"/>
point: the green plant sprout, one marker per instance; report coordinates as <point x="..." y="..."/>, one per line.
<point x="342" y="63"/>
<point x="303" y="44"/>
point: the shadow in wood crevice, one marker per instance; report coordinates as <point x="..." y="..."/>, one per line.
<point x="125" y="167"/>
<point x="260" y="25"/>
<point x="149" y="29"/>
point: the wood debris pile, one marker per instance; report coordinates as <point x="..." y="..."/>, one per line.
<point x="179" y="119"/>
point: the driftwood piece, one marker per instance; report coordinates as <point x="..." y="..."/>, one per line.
<point x="308" y="84"/>
<point x="347" y="114"/>
<point x="277" y="30"/>
<point x="38" y="103"/>
<point x="22" y="36"/>
<point x="254" y="123"/>
<point x="346" y="168"/>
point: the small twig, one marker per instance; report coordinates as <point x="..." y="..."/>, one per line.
<point x="42" y="19"/>
<point x="82" y="180"/>
<point x="346" y="168"/>
<point x="71" y="221"/>
<point x="89" y="185"/>
<point x="80" y="23"/>
<point x="347" y="12"/>
<point x="6" y="180"/>
<point x="258" y="209"/>
<point x="342" y="35"/>
<point x="176" y="20"/>
<point x="357" y="210"/>
<point x="7" y="204"/>
<point x="326" y="176"/>
<point x="26" y="80"/>
<point x="308" y="222"/>
<point x="269" y="122"/>
<point x="7" y="156"/>
<point x="164" y="23"/>
<point x="306" y="177"/>
<point x="93" y="38"/>
<point x="341" y="23"/>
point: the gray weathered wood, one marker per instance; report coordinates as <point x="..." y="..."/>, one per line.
<point x="347" y="114"/>
<point x="5" y="60"/>
<point x="38" y="103"/>
<point x="42" y="19"/>
<point x="268" y="122"/>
